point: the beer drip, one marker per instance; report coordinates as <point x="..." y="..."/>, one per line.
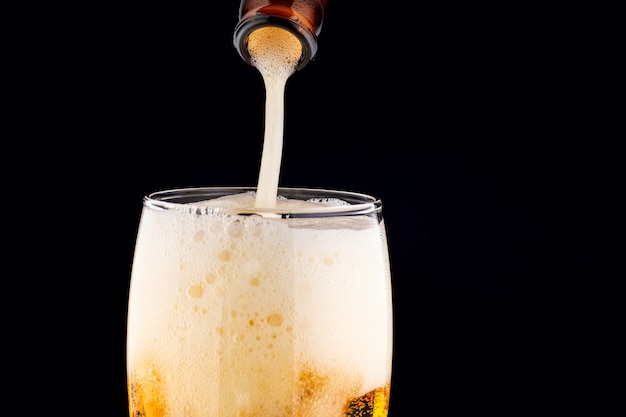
<point x="303" y="18"/>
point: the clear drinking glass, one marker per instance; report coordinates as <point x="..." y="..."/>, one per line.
<point x="236" y="311"/>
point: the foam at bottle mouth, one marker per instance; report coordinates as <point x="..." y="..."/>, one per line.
<point x="274" y="50"/>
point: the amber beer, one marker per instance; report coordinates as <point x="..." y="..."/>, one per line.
<point x="240" y="312"/>
<point x="303" y="18"/>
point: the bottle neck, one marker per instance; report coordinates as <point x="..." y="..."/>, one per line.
<point x="305" y="26"/>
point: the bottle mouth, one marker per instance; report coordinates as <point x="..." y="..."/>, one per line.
<point x="245" y="27"/>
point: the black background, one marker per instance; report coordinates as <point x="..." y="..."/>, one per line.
<point x="490" y="132"/>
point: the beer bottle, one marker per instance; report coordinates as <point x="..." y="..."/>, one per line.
<point x="303" y="18"/>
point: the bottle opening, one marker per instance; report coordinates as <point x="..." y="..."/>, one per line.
<point x="245" y="27"/>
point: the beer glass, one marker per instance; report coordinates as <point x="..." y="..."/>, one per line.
<point x="240" y="311"/>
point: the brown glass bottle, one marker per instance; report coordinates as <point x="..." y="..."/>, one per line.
<point x="303" y="18"/>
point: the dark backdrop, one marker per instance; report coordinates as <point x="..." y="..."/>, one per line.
<point x="491" y="134"/>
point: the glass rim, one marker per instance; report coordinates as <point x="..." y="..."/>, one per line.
<point x="183" y="199"/>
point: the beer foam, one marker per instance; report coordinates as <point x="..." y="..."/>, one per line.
<point x="275" y="52"/>
<point x="253" y="312"/>
<point x="246" y="202"/>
